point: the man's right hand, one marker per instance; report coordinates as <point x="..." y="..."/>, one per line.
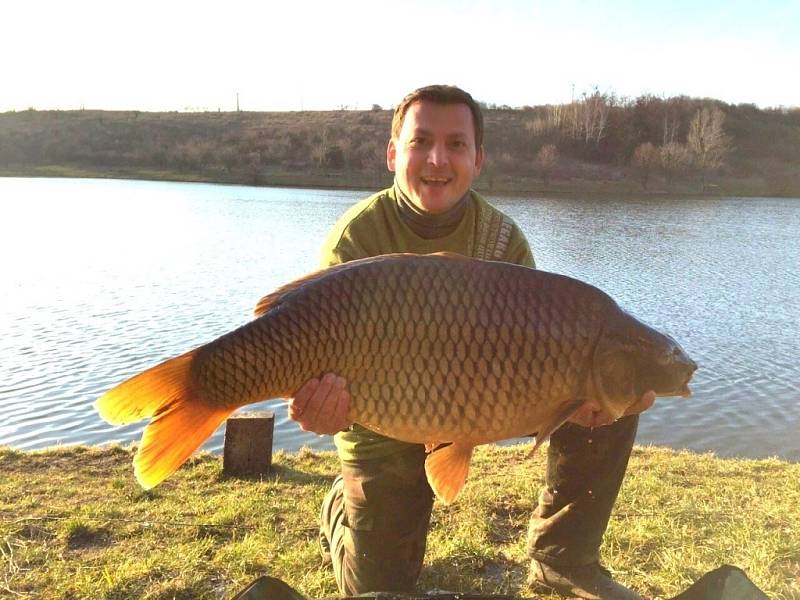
<point x="321" y="406"/>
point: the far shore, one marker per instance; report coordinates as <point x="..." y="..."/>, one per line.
<point x="506" y="186"/>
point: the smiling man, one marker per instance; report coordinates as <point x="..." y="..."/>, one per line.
<point x="434" y="155"/>
<point x="374" y="521"/>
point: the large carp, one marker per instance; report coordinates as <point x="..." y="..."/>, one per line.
<point x="435" y="348"/>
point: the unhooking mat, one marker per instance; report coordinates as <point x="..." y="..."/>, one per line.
<point x="724" y="583"/>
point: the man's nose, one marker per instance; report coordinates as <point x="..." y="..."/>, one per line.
<point x="438" y="155"/>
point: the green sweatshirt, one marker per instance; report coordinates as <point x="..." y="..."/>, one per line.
<point x="375" y="226"/>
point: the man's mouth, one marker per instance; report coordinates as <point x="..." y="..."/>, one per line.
<point x="435" y="180"/>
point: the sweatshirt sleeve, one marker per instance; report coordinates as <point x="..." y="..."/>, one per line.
<point x="519" y="251"/>
<point x="340" y="250"/>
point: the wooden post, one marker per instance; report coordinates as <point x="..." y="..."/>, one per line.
<point x="248" y="444"/>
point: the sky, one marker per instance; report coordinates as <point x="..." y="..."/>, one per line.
<point x="313" y="55"/>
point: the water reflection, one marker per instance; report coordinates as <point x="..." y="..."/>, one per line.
<point x="102" y="279"/>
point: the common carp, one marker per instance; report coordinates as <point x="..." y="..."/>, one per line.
<point x="437" y="349"/>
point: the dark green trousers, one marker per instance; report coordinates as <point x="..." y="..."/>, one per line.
<point x="376" y="520"/>
<point x="585" y="469"/>
<point x="377" y="514"/>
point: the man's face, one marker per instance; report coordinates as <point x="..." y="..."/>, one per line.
<point x="434" y="158"/>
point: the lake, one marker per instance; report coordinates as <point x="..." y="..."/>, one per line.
<point x="103" y="278"/>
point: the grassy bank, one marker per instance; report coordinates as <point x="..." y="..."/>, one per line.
<point x="270" y="178"/>
<point x="74" y="524"/>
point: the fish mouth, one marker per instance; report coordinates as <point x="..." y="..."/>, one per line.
<point x="682" y="390"/>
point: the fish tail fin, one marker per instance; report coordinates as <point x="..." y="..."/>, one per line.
<point x="147" y="393"/>
<point x="446" y="470"/>
<point x="171" y="438"/>
<point x="182" y="420"/>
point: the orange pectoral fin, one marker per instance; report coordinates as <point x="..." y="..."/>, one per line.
<point x="556" y="420"/>
<point x="431" y="446"/>
<point x="447" y="470"/>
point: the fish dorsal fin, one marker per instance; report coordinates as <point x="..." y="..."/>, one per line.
<point x="447" y="470"/>
<point x="447" y="254"/>
<point x="556" y="420"/>
<point x="272" y="298"/>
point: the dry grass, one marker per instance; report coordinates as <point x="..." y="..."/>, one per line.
<point x="74" y="524"/>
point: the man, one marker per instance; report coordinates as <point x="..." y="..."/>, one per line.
<point x="375" y="519"/>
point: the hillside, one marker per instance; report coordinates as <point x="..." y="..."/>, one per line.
<point x="596" y="144"/>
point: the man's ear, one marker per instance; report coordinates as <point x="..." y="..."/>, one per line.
<point x="479" y="160"/>
<point x="391" y="152"/>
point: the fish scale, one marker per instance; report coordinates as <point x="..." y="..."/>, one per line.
<point x="435" y="348"/>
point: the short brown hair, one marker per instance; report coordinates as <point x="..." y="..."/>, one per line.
<point x="440" y="94"/>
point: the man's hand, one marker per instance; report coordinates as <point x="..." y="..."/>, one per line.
<point x="320" y="406"/>
<point x="591" y="414"/>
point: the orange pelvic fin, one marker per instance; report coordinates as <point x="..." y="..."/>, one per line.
<point x="447" y="470"/>
<point x="181" y="420"/>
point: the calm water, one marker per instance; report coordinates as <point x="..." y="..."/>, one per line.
<point x="101" y="279"/>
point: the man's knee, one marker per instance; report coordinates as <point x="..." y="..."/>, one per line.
<point x="381" y="524"/>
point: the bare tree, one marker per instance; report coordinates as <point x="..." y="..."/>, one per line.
<point x="587" y="120"/>
<point x="671" y="126"/>
<point x="596" y="109"/>
<point x="644" y="160"/>
<point x="674" y="158"/>
<point x="707" y="141"/>
<point x="545" y="161"/>
<point x="320" y="153"/>
<point x="551" y="119"/>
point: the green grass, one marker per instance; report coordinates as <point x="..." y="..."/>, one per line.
<point x="74" y="524"/>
